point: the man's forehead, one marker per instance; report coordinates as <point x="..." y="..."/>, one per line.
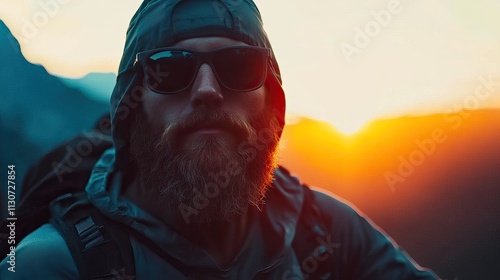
<point x="207" y="43"/>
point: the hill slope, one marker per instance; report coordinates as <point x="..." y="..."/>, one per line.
<point x="37" y="110"/>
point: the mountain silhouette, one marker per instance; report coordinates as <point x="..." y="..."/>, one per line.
<point x="97" y="86"/>
<point x="37" y="111"/>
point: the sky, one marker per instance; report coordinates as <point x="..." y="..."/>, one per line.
<point x="344" y="62"/>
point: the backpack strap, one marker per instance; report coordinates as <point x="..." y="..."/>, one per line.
<point x="99" y="246"/>
<point x="316" y="260"/>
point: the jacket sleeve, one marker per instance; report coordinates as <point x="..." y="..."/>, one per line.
<point x="42" y="254"/>
<point x="365" y="251"/>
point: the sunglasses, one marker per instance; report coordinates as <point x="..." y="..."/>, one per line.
<point x="172" y="70"/>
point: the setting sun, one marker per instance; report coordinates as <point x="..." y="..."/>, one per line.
<point x="350" y="126"/>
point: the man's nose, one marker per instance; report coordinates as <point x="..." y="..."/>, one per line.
<point x="206" y="89"/>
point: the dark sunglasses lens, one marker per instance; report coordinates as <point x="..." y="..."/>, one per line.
<point x="170" y="71"/>
<point x="240" y="68"/>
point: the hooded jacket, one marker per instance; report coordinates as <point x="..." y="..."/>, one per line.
<point x="351" y="247"/>
<point x="348" y="245"/>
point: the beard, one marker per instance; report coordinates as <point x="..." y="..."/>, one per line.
<point x="212" y="179"/>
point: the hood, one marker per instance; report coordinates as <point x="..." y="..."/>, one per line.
<point x="160" y="23"/>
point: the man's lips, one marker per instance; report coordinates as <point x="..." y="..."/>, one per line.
<point x="209" y="128"/>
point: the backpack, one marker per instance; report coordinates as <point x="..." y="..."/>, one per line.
<point x="53" y="191"/>
<point x="57" y="173"/>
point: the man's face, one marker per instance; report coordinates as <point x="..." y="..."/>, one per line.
<point x="206" y="152"/>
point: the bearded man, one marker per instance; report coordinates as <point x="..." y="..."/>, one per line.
<point x="192" y="180"/>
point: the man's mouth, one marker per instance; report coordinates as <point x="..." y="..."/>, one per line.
<point x="209" y="128"/>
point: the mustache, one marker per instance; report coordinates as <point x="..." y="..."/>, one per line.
<point x="214" y="118"/>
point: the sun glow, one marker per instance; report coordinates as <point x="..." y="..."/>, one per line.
<point x="349" y="127"/>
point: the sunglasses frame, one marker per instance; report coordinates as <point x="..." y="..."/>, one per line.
<point x="201" y="57"/>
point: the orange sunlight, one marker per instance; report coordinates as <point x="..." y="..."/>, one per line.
<point x="390" y="156"/>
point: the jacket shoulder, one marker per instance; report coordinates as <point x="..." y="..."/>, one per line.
<point x="43" y="254"/>
<point x="366" y="251"/>
<point x="336" y="208"/>
<point x="329" y="201"/>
